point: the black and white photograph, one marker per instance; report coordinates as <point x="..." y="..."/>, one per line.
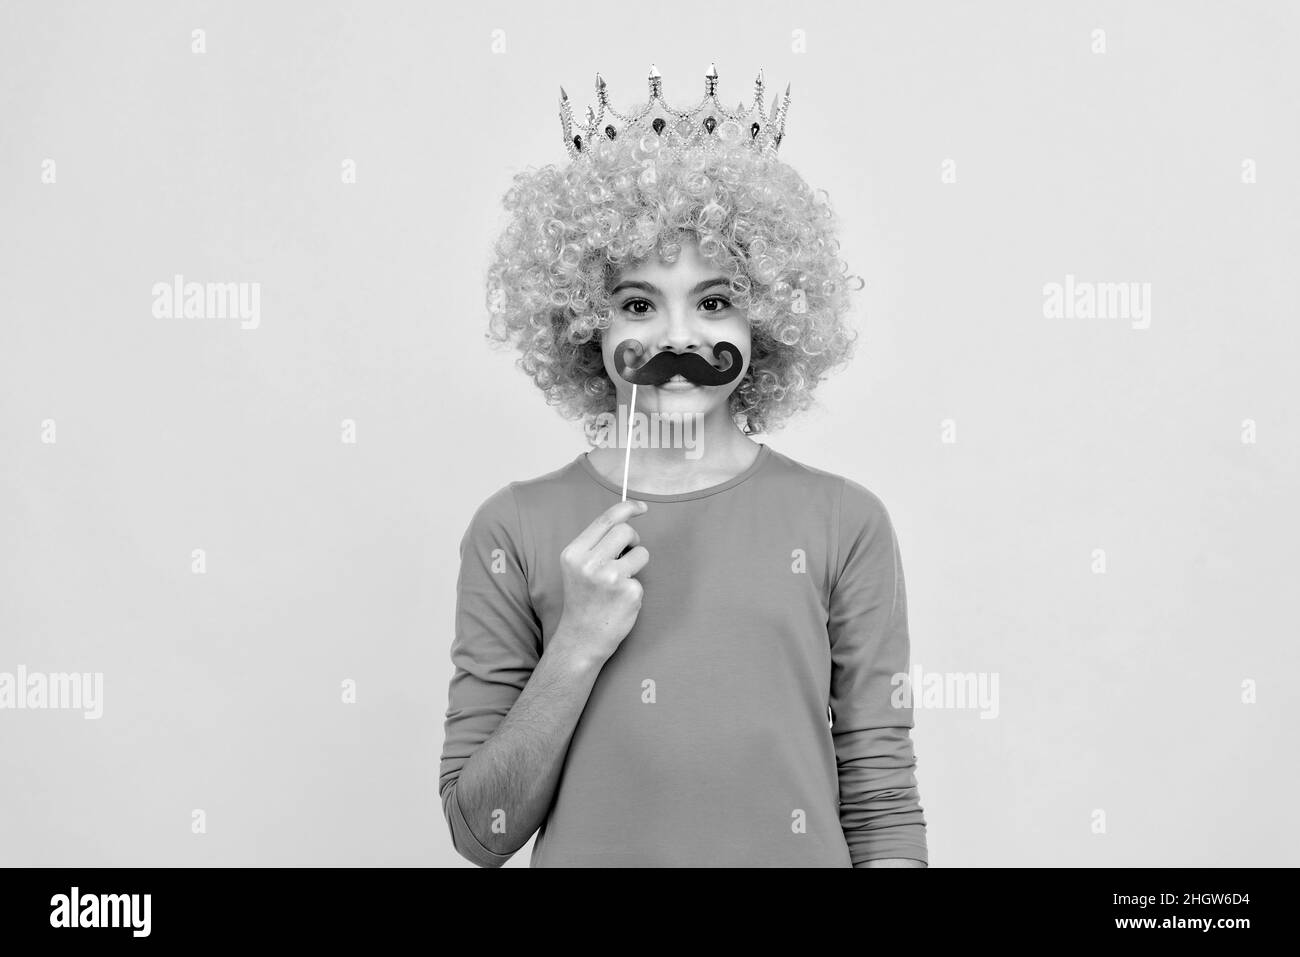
<point x="732" y="435"/>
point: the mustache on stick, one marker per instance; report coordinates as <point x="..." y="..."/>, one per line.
<point x="689" y="365"/>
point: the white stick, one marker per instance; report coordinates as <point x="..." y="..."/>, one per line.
<point x="627" y="458"/>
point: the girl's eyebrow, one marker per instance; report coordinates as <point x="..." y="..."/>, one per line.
<point x="653" y="289"/>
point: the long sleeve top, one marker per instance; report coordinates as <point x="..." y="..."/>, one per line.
<point x="747" y="719"/>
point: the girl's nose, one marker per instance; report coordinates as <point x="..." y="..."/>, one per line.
<point x="680" y="332"/>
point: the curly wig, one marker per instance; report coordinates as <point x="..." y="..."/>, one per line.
<point x="572" y="229"/>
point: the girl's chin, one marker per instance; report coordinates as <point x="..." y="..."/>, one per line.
<point x="671" y="405"/>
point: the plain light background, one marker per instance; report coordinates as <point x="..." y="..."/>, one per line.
<point x="329" y="561"/>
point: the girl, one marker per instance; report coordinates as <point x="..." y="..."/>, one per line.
<point x="700" y="675"/>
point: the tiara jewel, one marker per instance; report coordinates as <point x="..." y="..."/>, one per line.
<point x="679" y="130"/>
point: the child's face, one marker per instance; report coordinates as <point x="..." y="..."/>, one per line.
<point x="675" y="307"/>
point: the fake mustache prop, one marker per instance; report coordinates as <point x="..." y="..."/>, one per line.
<point x="689" y="365"/>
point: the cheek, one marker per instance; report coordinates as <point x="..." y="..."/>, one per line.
<point x="741" y="337"/>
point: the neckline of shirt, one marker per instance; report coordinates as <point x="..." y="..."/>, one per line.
<point x="764" y="452"/>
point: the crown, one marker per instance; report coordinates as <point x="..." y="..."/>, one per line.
<point x="680" y="130"/>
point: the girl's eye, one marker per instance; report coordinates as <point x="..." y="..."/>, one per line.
<point x="627" y="306"/>
<point x="722" y="303"/>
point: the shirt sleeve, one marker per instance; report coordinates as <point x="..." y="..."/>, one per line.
<point x="497" y="645"/>
<point x="880" y="810"/>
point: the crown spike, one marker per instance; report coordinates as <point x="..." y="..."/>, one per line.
<point x="780" y="117"/>
<point x="711" y="81"/>
<point x="566" y="112"/>
<point x="776" y="104"/>
<point x="566" y="122"/>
